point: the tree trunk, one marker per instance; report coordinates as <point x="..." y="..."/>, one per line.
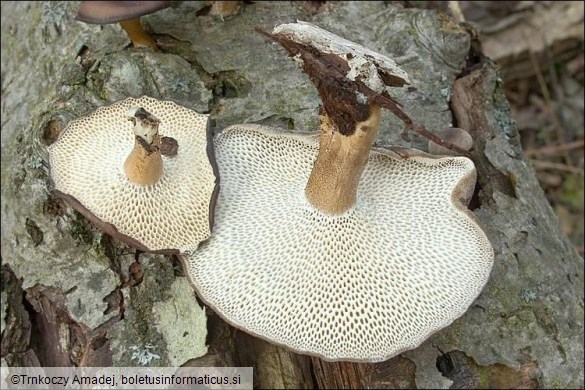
<point x="60" y="274"/>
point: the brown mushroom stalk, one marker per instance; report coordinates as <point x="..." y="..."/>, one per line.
<point x="144" y="165"/>
<point x="332" y="185"/>
<point x="137" y="34"/>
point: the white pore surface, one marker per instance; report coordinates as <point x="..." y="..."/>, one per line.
<point x="87" y="162"/>
<point x="363" y="286"/>
<point x="363" y="62"/>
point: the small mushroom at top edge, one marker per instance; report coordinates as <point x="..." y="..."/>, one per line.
<point x="127" y="13"/>
<point x="455" y="136"/>
<point x="225" y="8"/>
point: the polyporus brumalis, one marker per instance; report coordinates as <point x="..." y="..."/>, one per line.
<point x="127" y="13"/>
<point x="453" y="135"/>
<point x="109" y="166"/>
<point x="327" y="248"/>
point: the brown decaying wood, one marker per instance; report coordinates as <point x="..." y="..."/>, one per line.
<point x="339" y="94"/>
<point x="469" y="110"/>
<point x="44" y="334"/>
<point x="16" y="336"/>
<point x="394" y="373"/>
<point x="328" y="73"/>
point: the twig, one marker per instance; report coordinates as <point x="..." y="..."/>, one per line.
<point x="548" y="99"/>
<point x="539" y="164"/>
<point x="554" y="149"/>
<point x="410" y="125"/>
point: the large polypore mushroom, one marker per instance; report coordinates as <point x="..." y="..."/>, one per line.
<point x="326" y="248"/>
<point x="142" y="170"/>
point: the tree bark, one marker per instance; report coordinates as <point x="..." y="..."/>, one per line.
<point x="60" y="274"/>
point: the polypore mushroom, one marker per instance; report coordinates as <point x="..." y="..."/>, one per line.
<point x="127" y="13"/>
<point x="109" y="166"/>
<point x="328" y="249"/>
<point x="455" y="136"/>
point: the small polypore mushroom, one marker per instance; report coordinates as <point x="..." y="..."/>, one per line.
<point x="455" y="136"/>
<point x="331" y="249"/>
<point x="109" y="166"/>
<point x="127" y="13"/>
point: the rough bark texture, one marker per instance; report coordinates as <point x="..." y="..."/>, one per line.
<point x="61" y="276"/>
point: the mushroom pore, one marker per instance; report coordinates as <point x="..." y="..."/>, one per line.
<point x="144" y="165"/>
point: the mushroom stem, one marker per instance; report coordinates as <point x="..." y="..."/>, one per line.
<point x="144" y="163"/>
<point x="332" y="185"/>
<point x="137" y="34"/>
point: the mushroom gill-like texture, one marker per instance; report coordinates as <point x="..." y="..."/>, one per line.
<point x="365" y="285"/>
<point x="173" y="214"/>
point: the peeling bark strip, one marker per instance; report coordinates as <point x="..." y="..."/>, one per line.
<point x="469" y="107"/>
<point x="41" y="332"/>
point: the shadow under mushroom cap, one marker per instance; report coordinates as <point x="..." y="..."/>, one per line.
<point x="87" y="169"/>
<point x="404" y="262"/>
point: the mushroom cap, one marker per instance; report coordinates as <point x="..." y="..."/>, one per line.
<point x="87" y="169"/>
<point x="407" y="260"/>
<point x="455" y="136"/>
<point x="104" y="12"/>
